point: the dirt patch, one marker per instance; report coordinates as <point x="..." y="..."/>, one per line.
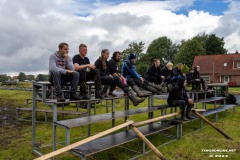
<point x="7" y="116"/>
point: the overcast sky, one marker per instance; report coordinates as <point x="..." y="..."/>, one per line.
<point x="32" y="29"/>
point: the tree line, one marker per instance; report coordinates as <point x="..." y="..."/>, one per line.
<point x="164" y="49"/>
<point x="23" y="77"/>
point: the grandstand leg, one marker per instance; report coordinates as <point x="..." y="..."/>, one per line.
<point x="54" y="119"/>
<point x="143" y="147"/>
<point x="113" y="111"/>
<point x="67" y="136"/>
<point x="89" y="114"/>
<point x="177" y="131"/>
<point x="106" y="106"/>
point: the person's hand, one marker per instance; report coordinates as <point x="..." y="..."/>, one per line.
<point x="190" y="101"/>
<point x="70" y="71"/>
<point x="141" y="79"/>
<point x="92" y="66"/>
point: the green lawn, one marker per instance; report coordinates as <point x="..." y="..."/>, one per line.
<point x="15" y="139"/>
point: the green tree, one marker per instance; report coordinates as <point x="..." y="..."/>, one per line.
<point x="3" y="77"/>
<point x="42" y="77"/>
<point x="188" y="50"/>
<point x="185" y="69"/>
<point x="21" y="76"/>
<point x="161" y="48"/>
<point x="134" y="47"/>
<point x="30" y="77"/>
<point x="215" y="45"/>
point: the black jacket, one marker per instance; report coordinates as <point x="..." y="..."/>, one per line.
<point x="153" y="72"/>
<point x="99" y="66"/>
<point x="190" y="76"/>
<point x="166" y="73"/>
<point x="176" y="72"/>
<point x="178" y="92"/>
<point x="196" y="74"/>
<point x="113" y="67"/>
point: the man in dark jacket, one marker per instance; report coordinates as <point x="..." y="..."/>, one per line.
<point x="198" y="79"/>
<point x="177" y="73"/>
<point x="166" y="72"/>
<point x="178" y="97"/>
<point x="190" y="78"/>
<point x="134" y="78"/>
<point x="154" y="73"/>
<point x="87" y="72"/>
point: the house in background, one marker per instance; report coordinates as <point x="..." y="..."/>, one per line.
<point x="220" y="68"/>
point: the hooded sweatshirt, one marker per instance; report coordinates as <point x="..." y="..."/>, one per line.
<point x="178" y="92"/>
<point x="129" y="70"/>
<point x="58" y="63"/>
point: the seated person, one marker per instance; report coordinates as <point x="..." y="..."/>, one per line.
<point x="87" y="72"/>
<point x="179" y="97"/>
<point x="61" y="71"/>
<point x="154" y="73"/>
<point x="198" y="79"/>
<point x="177" y="73"/>
<point x="134" y="78"/>
<point x="166" y="72"/>
<point x="190" y="79"/>
<point x="113" y="69"/>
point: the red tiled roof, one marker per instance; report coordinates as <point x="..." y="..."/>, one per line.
<point x="210" y="63"/>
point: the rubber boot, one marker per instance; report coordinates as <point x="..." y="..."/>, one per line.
<point x="105" y="88"/>
<point x="60" y="97"/>
<point x="83" y="91"/>
<point x="98" y="94"/>
<point x="133" y="98"/>
<point x="188" y="112"/>
<point x="183" y="118"/>
<point x="151" y="89"/>
<point x="158" y="87"/>
<point x="138" y="91"/>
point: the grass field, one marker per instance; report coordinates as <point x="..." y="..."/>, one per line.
<point x="15" y="139"/>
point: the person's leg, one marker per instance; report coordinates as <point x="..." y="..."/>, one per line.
<point x="83" y="84"/>
<point x="133" y="85"/>
<point x="116" y="81"/>
<point x="73" y="79"/>
<point x="149" y="86"/>
<point x="203" y="84"/>
<point x="56" y="80"/>
<point x="182" y="105"/>
<point x="106" y="81"/>
<point x="94" y="75"/>
<point x="188" y="110"/>
<point x="128" y="92"/>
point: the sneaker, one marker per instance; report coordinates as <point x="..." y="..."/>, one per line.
<point x="74" y="97"/>
<point x="86" y="97"/>
<point x="112" y="94"/>
<point x="105" y="95"/>
<point x="60" y="98"/>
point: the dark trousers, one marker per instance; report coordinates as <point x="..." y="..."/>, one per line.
<point x="117" y="82"/>
<point x="58" y="79"/>
<point x="134" y="81"/>
<point x="85" y="76"/>
<point x="199" y="83"/>
<point x="181" y="103"/>
<point x="154" y="79"/>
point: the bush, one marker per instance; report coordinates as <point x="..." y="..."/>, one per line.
<point x="232" y="84"/>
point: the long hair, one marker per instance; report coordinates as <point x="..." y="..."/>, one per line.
<point x="104" y="64"/>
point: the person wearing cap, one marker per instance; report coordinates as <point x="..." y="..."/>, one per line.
<point x="87" y="72"/>
<point x="199" y="81"/>
<point x="61" y="71"/>
<point x="113" y="70"/>
<point x="177" y="73"/>
<point x="178" y="97"/>
<point x="154" y="73"/>
<point x="135" y="79"/>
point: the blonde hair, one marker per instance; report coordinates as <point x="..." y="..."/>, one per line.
<point x="169" y="64"/>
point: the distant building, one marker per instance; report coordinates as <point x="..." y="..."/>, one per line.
<point x="220" y="68"/>
<point x="15" y="78"/>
